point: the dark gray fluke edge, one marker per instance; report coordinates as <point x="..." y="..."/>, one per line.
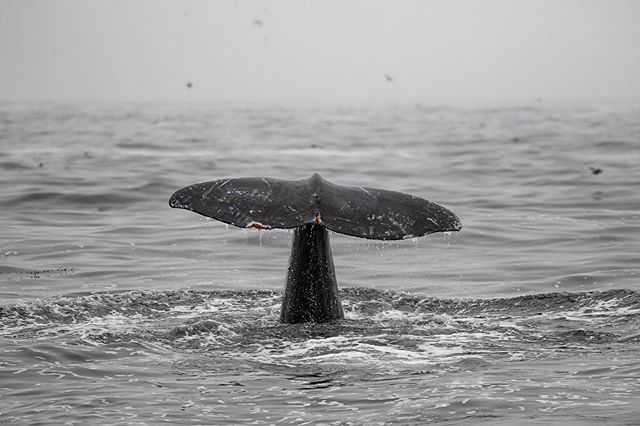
<point x="312" y="206"/>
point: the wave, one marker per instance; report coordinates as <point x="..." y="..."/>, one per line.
<point x="55" y="197"/>
<point x="379" y="325"/>
<point x="14" y="165"/>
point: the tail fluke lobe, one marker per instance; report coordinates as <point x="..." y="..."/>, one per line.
<point x="274" y="203"/>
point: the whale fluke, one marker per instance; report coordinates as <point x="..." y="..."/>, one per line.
<point x="312" y="206"/>
<point x="351" y="210"/>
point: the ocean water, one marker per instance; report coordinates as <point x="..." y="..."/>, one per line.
<point x="116" y="309"/>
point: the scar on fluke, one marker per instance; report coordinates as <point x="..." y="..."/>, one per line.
<point x="258" y="225"/>
<point x="312" y="207"/>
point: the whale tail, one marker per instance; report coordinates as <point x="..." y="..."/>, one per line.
<point x="312" y="206"/>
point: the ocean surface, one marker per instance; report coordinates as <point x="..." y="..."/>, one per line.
<point x="118" y="310"/>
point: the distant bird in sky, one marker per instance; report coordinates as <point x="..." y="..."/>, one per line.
<point x="189" y="85"/>
<point x="388" y="78"/>
<point x="258" y="23"/>
<point x="595" y="170"/>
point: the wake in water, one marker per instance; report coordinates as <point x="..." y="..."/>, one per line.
<point x="380" y="326"/>
<point x="216" y="352"/>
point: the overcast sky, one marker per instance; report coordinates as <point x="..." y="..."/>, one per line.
<point x="442" y="51"/>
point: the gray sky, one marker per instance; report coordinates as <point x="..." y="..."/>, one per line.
<point x="443" y="51"/>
